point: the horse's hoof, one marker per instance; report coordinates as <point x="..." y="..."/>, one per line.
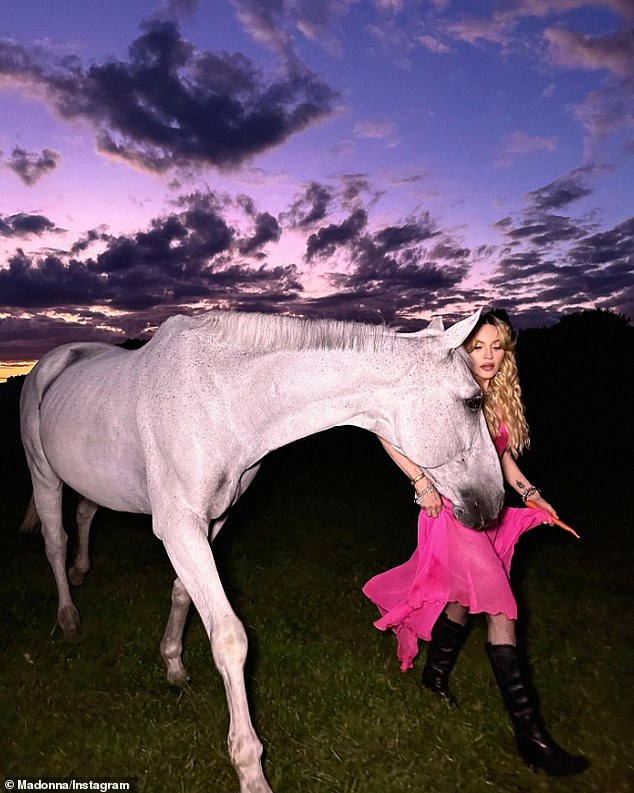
<point x="177" y="675"/>
<point x="68" y="619"/>
<point x="76" y="576"/>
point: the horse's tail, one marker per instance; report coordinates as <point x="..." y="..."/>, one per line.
<point x="31" y="521"/>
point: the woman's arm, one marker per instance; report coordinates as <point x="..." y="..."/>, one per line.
<point x="521" y="485"/>
<point x="427" y="495"/>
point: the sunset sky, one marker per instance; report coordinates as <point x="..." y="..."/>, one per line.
<point x="382" y="160"/>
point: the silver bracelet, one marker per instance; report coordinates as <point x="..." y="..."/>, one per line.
<point x="424" y="492"/>
<point x="528" y="493"/>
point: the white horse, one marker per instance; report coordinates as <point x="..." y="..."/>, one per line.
<point x="178" y="429"/>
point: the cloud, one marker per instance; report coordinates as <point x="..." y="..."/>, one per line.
<point x="614" y="51"/>
<point x="518" y="144"/>
<point x="31" y="166"/>
<point x="185" y="256"/>
<point x="605" y="113"/>
<point x="563" y="191"/>
<point x="387" y="274"/>
<point x="171" y="104"/>
<point x="433" y="44"/>
<point x="504" y="25"/>
<point x="544" y="229"/>
<point x="326" y="240"/>
<point x="614" y="246"/>
<point x="379" y="130"/>
<point x="542" y="30"/>
<point x="597" y="270"/>
<point x="49" y="282"/>
<point x="273" y="23"/>
<point x="25" y="225"/>
<point x="107" y="287"/>
<point x="267" y="229"/>
<point x="395" y="258"/>
<point x="310" y="207"/>
<point x="555" y="264"/>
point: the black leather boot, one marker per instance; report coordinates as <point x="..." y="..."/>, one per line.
<point x="534" y="744"/>
<point x="447" y="638"/>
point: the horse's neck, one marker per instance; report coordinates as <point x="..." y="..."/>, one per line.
<point x="301" y="394"/>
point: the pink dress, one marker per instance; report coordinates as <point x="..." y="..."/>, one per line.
<point x="451" y="563"/>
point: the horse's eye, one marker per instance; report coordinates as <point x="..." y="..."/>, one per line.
<point x="474" y="403"/>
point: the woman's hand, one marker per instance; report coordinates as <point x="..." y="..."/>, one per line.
<point x="543" y="504"/>
<point x="428" y="498"/>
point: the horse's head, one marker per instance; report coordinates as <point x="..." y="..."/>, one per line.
<point x="439" y="423"/>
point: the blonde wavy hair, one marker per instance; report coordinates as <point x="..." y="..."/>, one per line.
<point x="503" y="398"/>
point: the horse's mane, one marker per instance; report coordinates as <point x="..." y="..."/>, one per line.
<point x="275" y="332"/>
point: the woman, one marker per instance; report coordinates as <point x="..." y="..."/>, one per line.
<point x="456" y="571"/>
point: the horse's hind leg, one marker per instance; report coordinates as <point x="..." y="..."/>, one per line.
<point x="48" y="500"/>
<point x="172" y="641"/>
<point x="85" y="513"/>
<point x="47" y="495"/>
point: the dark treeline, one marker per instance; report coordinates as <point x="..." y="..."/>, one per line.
<point x="576" y="381"/>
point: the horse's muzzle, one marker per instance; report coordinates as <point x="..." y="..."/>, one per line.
<point x="478" y="512"/>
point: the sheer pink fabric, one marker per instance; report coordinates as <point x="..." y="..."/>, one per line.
<point x="451" y="563"/>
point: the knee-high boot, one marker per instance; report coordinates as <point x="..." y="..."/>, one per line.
<point x="447" y="638"/>
<point x="535" y="745"/>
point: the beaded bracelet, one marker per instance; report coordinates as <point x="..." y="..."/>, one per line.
<point x="424" y="492"/>
<point x="528" y="493"/>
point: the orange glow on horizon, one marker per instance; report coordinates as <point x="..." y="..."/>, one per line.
<point x="14" y="368"/>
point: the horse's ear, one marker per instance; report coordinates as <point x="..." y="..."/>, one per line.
<point x="456" y="334"/>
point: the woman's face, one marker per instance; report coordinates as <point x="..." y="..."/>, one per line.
<point x="487" y="355"/>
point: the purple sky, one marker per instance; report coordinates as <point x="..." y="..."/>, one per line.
<point x="380" y="160"/>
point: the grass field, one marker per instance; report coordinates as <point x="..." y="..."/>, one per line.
<point x="333" y="710"/>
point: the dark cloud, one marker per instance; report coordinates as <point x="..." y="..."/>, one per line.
<point x="48" y="282"/>
<point x="88" y="239"/>
<point x="580" y="268"/>
<point x="310" y="207"/>
<point x="543" y="229"/>
<point x="185" y="256"/>
<point x="25" y="225"/>
<point x="171" y="104"/>
<point x="193" y="256"/>
<point x="31" y="166"/>
<point x="614" y="246"/>
<point x="561" y="192"/>
<point x="541" y="224"/>
<point x="267" y="229"/>
<point x="412" y="232"/>
<point x="325" y="241"/>
<point x="390" y="273"/>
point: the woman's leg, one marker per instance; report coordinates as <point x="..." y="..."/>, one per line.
<point x="447" y="637"/>
<point x="535" y="745"/>
<point x="457" y="613"/>
<point x="500" y="629"/>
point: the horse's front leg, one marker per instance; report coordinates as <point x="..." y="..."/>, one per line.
<point x="172" y="642"/>
<point x="185" y="538"/>
<point x="85" y="513"/>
